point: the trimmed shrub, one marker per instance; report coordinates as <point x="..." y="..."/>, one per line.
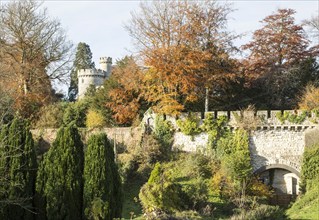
<point x="18" y="168"/>
<point x="59" y="181"/>
<point x="102" y="186"/>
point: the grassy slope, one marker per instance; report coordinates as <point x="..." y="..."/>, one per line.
<point x="307" y="206"/>
<point x="131" y="204"/>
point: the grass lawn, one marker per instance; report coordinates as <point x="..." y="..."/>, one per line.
<point x="131" y="205"/>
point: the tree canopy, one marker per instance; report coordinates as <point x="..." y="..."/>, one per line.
<point x="83" y="60"/>
<point x="34" y="51"/>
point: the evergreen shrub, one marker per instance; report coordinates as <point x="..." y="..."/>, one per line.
<point x="102" y="194"/>
<point x="59" y="184"/>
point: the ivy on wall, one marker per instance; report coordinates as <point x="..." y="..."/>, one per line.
<point x="291" y="117"/>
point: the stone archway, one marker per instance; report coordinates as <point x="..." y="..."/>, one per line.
<point x="277" y="166"/>
<point x="284" y="179"/>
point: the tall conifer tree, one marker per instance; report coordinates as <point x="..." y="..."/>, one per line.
<point x="59" y="180"/>
<point x="102" y="185"/>
<point x="83" y="60"/>
<point x="18" y="167"/>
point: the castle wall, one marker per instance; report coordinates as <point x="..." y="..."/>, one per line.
<point x="89" y="77"/>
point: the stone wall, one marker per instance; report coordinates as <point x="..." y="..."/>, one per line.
<point x="123" y="137"/>
<point x="277" y="146"/>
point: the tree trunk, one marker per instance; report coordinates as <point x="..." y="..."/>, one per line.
<point x="206" y="99"/>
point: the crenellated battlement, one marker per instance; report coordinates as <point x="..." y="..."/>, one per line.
<point x="95" y="77"/>
<point x="105" y="59"/>
<point x="90" y="73"/>
<point x="295" y="120"/>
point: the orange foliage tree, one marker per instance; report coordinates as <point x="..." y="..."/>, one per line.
<point x="179" y="41"/>
<point x="124" y="98"/>
<point x="274" y="54"/>
<point x="33" y="51"/>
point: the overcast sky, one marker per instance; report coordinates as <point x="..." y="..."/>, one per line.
<point x="100" y="24"/>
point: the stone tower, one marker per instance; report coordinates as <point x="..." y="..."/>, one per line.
<point x="106" y="65"/>
<point x="96" y="77"/>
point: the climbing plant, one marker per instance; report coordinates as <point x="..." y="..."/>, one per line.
<point x="189" y="125"/>
<point x="215" y="128"/>
<point x="292" y="118"/>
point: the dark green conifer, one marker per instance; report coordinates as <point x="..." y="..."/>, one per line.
<point x="83" y="60"/>
<point x="59" y="181"/>
<point x="102" y="185"/>
<point x="18" y="167"/>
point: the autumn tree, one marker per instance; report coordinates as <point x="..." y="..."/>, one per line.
<point x="125" y="97"/>
<point x="83" y="60"/>
<point x="177" y="40"/>
<point x="313" y="24"/>
<point x="34" y="51"/>
<point x="275" y="52"/>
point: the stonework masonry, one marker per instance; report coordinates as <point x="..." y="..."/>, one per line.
<point x="95" y="77"/>
<point x="274" y="146"/>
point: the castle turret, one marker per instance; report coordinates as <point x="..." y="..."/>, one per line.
<point x="96" y="77"/>
<point x="109" y="67"/>
<point x="106" y="65"/>
<point x="87" y="77"/>
<point x="103" y="63"/>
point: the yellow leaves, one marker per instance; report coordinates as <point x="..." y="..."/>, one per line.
<point x="94" y="119"/>
<point x="310" y="98"/>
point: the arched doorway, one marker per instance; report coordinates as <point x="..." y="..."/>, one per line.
<point x="283" y="179"/>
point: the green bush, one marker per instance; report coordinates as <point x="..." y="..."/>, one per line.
<point x="262" y="212"/>
<point x="59" y="184"/>
<point x="51" y="116"/>
<point x="190" y="125"/>
<point x="102" y="189"/>
<point x="215" y="128"/>
<point x="18" y="166"/>
<point x="76" y="113"/>
<point x="292" y="118"/>
<point x="94" y="119"/>
<point x="160" y="194"/>
<point x="310" y="168"/>
<point x="163" y="132"/>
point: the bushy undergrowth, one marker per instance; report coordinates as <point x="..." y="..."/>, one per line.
<point x="306" y="206"/>
<point x="262" y="212"/>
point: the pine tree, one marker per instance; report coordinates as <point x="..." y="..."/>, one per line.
<point x="102" y="185"/>
<point x="83" y="60"/>
<point x="18" y="167"/>
<point x="59" y="180"/>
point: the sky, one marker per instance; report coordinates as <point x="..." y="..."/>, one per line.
<point x="100" y="24"/>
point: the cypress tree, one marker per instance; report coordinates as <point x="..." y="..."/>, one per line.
<point x="18" y="167"/>
<point x="102" y="185"/>
<point x="59" y="180"/>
